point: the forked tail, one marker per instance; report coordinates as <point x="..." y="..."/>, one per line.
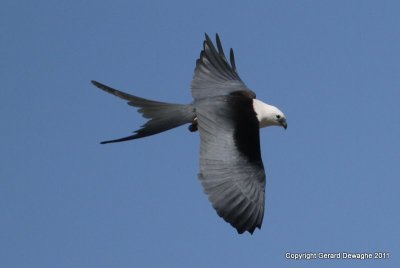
<point x="162" y="116"/>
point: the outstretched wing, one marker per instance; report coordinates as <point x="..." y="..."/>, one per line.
<point x="213" y="75"/>
<point x="231" y="168"/>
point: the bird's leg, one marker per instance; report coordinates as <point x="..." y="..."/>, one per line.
<point x="193" y="126"/>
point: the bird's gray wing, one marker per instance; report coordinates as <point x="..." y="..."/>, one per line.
<point x="213" y="75"/>
<point x="231" y="168"/>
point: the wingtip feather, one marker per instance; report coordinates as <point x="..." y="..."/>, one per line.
<point x="219" y="46"/>
<point x="232" y="59"/>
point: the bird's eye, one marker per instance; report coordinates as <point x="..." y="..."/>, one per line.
<point x="278" y="116"/>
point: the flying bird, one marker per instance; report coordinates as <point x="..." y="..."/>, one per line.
<point x="228" y="117"/>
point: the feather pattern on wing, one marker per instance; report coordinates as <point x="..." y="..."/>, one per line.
<point x="213" y="75"/>
<point x="231" y="168"/>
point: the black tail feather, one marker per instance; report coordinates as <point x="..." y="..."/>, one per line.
<point x="161" y="116"/>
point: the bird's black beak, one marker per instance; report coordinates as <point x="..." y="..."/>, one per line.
<point x="283" y="122"/>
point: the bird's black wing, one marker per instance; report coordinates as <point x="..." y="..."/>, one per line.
<point x="231" y="168"/>
<point x="213" y="75"/>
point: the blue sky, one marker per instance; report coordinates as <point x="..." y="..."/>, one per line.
<point x="332" y="176"/>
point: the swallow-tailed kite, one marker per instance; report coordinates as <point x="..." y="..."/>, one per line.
<point x="228" y="117"/>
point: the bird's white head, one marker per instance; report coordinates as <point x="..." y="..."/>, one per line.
<point x="269" y="115"/>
